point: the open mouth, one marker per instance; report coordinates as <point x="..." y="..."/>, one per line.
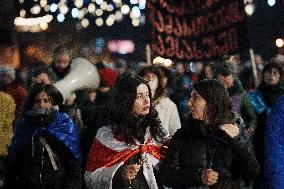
<point x="146" y="108"/>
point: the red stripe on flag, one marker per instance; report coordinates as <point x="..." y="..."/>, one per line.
<point x="101" y="156"/>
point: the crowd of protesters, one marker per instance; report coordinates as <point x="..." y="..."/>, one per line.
<point x="69" y="137"/>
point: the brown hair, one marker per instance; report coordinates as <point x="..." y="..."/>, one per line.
<point x="219" y="108"/>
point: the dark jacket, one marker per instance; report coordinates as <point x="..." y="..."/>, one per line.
<point x="139" y="182"/>
<point x="94" y="117"/>
<point x="45" y="153"/>
<point x="196" y="147"/>
<point x="32" y="167"/>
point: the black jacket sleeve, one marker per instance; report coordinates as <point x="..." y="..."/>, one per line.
<point x="72" y="166"/>
<point x="173" y="174"/>
<point x="244" y="158"/>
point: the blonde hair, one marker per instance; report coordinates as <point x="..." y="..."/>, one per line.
<point x="7" y="116"/>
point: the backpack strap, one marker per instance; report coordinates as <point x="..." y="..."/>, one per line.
<point x="51" y="154"/>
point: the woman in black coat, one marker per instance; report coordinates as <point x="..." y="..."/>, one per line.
<point x="212" y="149"/>
<point x="45" y="149"/>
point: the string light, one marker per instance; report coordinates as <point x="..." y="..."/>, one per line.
<point x="85" y="23"/>
<point x="118" y="15"/>
<point x="110" y="20"/>
<point x="125" y="9"/>
<point x="112" y="11"/>
<point x="99" y="12"/>
<point x="33" y="24"/>
<point x="81" y="14"/>
<point x="279" y="43"/>
<point x="75" y="12"/>
<point x="43" y="3"/>
<point x="142" y="4"/>
<point x="134" y="1"/>
<point x="63" y="9"/>
<point x="117" y="1"/>
<point x="271" y="2"/>
<point x="99" y="2"/>
<point x="135" y="12"/>
<point x="35" y="9"/>
<point x="43" y="25"/>
<point x="135" y="22"/>
<point x="22" y="13"/>
<point x="85" y="10"/>
<point x="53" y="7"/>
<point x="110" y="7"/>
<point x="79" y="3"/>
<point x="103" y="6"/>
<point x="249" y="9"/>
<point x="91" y="7"/>
<point x="60" y="17"/>
<point x="47" y="8"/>
<point x="99" y="21"/>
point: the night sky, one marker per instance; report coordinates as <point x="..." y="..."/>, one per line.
<point x="265" y="26"/>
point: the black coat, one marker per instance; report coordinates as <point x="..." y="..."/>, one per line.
<point x="196" y="147"/>
<point x="32" y="167"/>
<point x="94" y="117"/>
<point x="139" y="182"/>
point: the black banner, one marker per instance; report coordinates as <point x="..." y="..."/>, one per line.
<point x="197" y="29"/>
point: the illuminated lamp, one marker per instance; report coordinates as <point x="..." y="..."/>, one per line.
<point x="271" y="2"/>
<point x="249" y="9"/>
<point x="279" y="43"/>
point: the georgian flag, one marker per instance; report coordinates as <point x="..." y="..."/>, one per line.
<point x="108" y="153"/>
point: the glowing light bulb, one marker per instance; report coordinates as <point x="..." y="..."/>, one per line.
<point x="22" y="13"/>
<point x="53" y="7"/>
<point x="271" y="2"/>
<point x="75" y="12"/>
<point x="85" y="23"/>
<point x="99" y="21"/>
<point x="125" y="9"/>
<point x="279" y="43"/>
<point x="60" y="17"/>
<point x="249" y="9"/>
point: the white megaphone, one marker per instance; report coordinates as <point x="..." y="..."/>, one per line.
<point x="83" y="75"/>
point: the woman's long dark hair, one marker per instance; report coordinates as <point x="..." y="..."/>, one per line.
<point x="50" y="90"/>
<point x="219" y="107"/>
<point x="122" y="120"/>
<point x="272" y="65"/>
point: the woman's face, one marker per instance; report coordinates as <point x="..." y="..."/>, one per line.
<point x="43" y="101"/>
<point x="63" y="62"/>
<point x="226" y="81"/>
<point x="208" y="72"/>
<point x="43" y="78"/>
<point x="153" y="80"/>
<point x="197" y="106"/>
<point x="141" y="105"/>
<point x="271" y="77"/>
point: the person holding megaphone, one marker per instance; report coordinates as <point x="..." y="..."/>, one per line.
<point x="45" y="150"/>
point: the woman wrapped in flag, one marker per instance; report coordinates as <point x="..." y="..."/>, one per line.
<point x="126" y="152"/>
